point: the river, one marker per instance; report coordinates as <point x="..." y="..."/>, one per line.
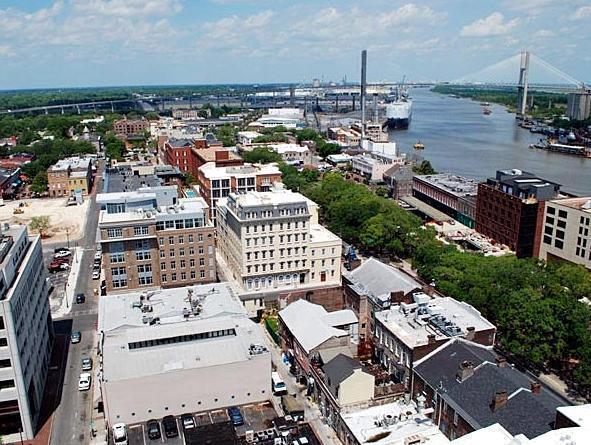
<point x="460" y="139"/>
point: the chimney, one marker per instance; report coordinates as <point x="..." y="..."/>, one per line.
<point x="501" y="362"/>
<point x="431" y="339"/>
<point x="470" y="333"/>
<point x="466" y="370"/>
<point x="536" y="387"/>
<point x="222" y="155"/>
<point x="499" y="400"/>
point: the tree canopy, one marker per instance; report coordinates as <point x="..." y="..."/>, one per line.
<point x="261" y="155"/>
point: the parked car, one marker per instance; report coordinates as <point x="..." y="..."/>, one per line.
<point x="63" y="254"/>
<point x="153" y="428"/>
<point x="80" y="298"/>
<point x="187" y="421"/>
<point x="61" y="249"/>
<point x="170" y="427"/>
<point x="84" y="381"/>
<point x="120" y="434"/>
<point x="86" y="363"/>
<point x="96" y="274"/>
<point x="97" y="255"/>
<point x="75" y="337"/>
<point x="235" y="416"/>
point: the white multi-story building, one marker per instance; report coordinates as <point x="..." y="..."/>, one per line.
<point x="566" y="231"/>
<point x="271" y="243"/>
<point x="293" y="153"/>
<point x="246" y="138"/>
<point x="25" y="333"/>
<point x="173" y="351"/>
<point x="374" y="164"/>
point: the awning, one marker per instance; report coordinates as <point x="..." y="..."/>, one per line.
<point x="431" y="212"/>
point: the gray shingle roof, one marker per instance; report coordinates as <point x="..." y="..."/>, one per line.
<point x="375" y="278"/>
<point x="338" y="370"/>
<point x="525" y="413"/>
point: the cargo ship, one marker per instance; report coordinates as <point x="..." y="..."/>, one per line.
<point x="399" y="113"/>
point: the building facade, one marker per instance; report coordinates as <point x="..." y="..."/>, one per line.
<point x="26" y="333"/>
<point x="174" y="351"/>
<point x="151" y="238"/>
<point x="566" y="231"/>
<point x="509" y="208"/>
<point x="272" y="242"/>
<point x="293" y="153"/>
<point x="129" y="127"/>
<point x="578" y="105"/>
<point x="398" y="178"/>
<point x="218" y="182"/>
<point x="451" y="194"/>
<point x="373" y="165"/>
<point x="69" y="176"/>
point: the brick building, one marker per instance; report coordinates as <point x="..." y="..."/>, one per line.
<point x="188" y="155"/>
<point x="129" y="127"/>
<point x="451" y="194"/>
<point x="218" y="182"/>
<point x="510" y="206"/>
<point x="70" y="175"/>
<point x="151" y="238"/>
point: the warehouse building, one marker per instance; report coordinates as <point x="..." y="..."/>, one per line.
<point x="173" y="351"/>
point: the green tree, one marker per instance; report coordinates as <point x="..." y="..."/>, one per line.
<point x="39" y="183"/>
<point x="424" y="168"/>
<point x="40" y="224"/>
<point x="261" y="155"/>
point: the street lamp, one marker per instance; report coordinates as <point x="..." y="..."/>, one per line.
<point x="68" y="236"/>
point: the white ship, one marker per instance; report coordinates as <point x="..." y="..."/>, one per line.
<point x="399" y="110"/>
<point x="399" y="113"/>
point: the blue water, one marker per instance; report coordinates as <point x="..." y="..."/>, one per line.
<point x="459" y="138"/>
<point x="190" y="193"/>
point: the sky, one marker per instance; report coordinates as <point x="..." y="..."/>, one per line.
<point x="78" y="43"/>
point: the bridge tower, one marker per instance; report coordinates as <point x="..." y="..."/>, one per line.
<point x="523" y="84"/>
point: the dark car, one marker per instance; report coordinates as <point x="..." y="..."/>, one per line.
<point x="80" y="298"/>
<point x="187" y="421"/>
<point x="154" y="429"/>
<point x="235" y="416"/>
<point x="170" y="427"/>
<point x="75" y="337"/>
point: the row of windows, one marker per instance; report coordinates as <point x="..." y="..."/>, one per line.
<point x="183" y="263"/>
<point x="181" y="239"/>
<point x="193" y="275"/>
<point x="282" y="239"/>
<point x="188" y="223"/>
<point x="181" y="338"/>
<point x="280" y="226"/>
<point x="172" y="252"/>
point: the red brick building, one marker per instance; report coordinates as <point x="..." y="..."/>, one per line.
<point x="130" y="127"/>
<point x="507" y="208"/>
<point x="189" y="155"/>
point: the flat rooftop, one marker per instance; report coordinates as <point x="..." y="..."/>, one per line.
<point x="273" y="198"/>
<point x="454" y="184"/>
<point x="396" y="422"/>
<point x="320" y="234"/>
<point x="442" y="317"/>
<point x="123" y="180"/>
<point x="288" y="148"/>
<point x="210" y="171"/>
<point x="73" y="163"/>
<point x="582" y="204"/>
<point x="152" y="332"/>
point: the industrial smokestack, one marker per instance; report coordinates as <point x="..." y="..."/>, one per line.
<point x="375" y="108"/>
<point x="363" y="88"/>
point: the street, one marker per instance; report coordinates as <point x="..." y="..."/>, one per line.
<point x="72" y="419"/>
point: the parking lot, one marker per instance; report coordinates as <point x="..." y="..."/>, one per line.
<point x="57" y="279"/>
<point x="257" y="417"/>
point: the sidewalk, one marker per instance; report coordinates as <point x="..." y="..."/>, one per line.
<point x="68" y="299"/>
<point x="312" y="414"/>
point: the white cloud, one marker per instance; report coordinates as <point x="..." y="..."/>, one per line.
<point x="584" y="12"/>
<point x="128" y="8"/>
<point x="6" y="51"/>
<point x="493" y="25"/>
<point x="544" y="34"/>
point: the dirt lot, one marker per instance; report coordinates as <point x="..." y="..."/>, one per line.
<point x="63" y="219"/>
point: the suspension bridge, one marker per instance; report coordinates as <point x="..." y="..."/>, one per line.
<point x="544" y="77"/>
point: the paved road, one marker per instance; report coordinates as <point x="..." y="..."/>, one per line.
<point x="73" y="415"/>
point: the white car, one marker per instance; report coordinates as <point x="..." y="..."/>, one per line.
<point x="63" y="254"/>
<point x="120" y="434"/>
<point x="84" y="381"/>
<point x="96" y="274"/>
<point x="97" y="255"/>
